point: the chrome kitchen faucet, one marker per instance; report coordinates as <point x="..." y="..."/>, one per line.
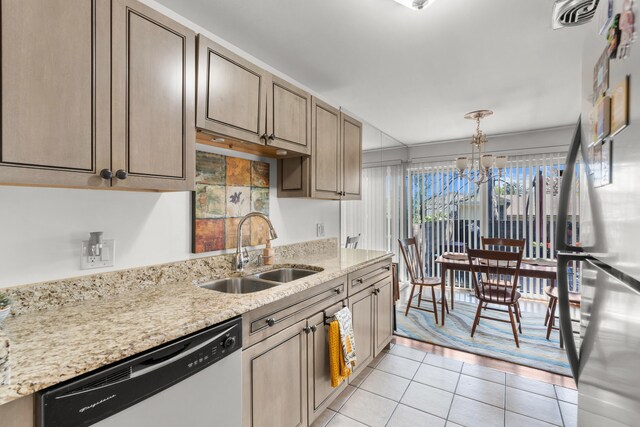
<point x="242" y="257"/>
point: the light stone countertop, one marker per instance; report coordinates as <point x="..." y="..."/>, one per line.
<point x="54" y="344"/>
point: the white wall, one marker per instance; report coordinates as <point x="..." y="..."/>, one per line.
<point x="41" y="228"/>
<point x="535" y="141"/>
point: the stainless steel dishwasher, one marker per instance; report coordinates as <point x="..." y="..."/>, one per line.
<point x="194" y="381"/>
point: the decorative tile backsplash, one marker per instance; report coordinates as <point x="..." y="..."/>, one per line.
<point x="228" y="188"/>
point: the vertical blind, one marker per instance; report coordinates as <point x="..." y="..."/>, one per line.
<point x="378" y="217"/>
<point x="448" y="212"/>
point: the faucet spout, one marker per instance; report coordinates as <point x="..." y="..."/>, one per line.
<point x="241" y="257"/>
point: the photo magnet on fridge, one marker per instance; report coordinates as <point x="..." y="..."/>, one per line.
<point x="620" y="107"/>
<point x="605" y="167"/>
<point x="601" y="75"/>
<point x="603" y="118"/>
<point x="627" y="29"/>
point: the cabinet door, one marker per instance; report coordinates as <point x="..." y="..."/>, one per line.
<point x="275" y="380"/>
<point x="361" y="306"/>
<point x="55" y="92"/>
<point x="232" y="94"/>
<point x="325" y="158"/>
<point x="321" y="394"/>
<point x="351" y="157"/>
<point x="383" y="315"/>
<point x="153" y="75"/>
<point x="288" y="117"/>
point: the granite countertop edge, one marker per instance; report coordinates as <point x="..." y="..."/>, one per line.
<point x="67" y="354"/>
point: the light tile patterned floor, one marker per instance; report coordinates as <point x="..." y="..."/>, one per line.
<point x="409" y="387"/>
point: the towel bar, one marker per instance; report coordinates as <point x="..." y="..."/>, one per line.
<point x="328" y="319"/>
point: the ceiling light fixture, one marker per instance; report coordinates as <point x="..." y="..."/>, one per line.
<point x="415" y="4"/>
<point x="481" y="166"/>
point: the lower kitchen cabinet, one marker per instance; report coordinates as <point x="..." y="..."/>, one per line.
<point x="383" y="314"/>
<point x="286" y="373"/>
<point x="275" y="380"/>
<point x="361" y="306"/>
<point x="321" y="394"/>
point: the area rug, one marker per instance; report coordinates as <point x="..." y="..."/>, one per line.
<point x="492" y="339"/>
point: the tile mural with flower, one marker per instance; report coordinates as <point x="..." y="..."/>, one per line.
<point x="227" y="188"/>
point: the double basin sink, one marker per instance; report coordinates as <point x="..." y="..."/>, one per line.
<point x="257" y="282"/>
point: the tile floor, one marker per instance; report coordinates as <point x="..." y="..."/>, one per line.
<point x="406" y="386"/>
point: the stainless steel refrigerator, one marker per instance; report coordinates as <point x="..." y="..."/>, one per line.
<point x="607" y="365"/>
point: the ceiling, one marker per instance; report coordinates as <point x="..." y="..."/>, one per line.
<point x="413" y="74"/>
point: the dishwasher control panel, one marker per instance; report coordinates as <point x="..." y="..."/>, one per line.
<point x="216" y="350"/>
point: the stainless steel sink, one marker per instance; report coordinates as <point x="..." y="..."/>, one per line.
<point x="238" y="285"/>
<point x="284" y="275"/>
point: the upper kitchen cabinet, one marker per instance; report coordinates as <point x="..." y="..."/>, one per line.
<point x="335" y="167"/>
<point x="351" y="130"/>
<point x="96" y="94"/>
<point x="288" y="117"/>
<point x="153" y="91"/>
<point x="55" y="92"/>
<point x="243" y="107"/>
<point x="326" y="155"/>
<point x="232" y="94"/>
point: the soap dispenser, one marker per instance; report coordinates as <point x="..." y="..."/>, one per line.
<point x="268" y="254"/>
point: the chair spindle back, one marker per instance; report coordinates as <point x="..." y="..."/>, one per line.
<point x="495" y="274"/>
<point x="412" y="259"/>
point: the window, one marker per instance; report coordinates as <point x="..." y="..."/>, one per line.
<point x="447" y="213"/>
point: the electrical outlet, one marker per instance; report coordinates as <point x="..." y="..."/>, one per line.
<point x="320" y="229"/>
<point x="106" y="259"/>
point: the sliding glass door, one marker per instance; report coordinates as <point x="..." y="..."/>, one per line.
<point x="448" y="212"/>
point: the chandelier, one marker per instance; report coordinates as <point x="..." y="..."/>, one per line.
<point x="480" y="165"/>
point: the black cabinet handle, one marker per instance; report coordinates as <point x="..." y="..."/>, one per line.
<point x="306" y="329"/>
<point x="387" y="267"/>
<point x="314" y="328"/>
<point x="264" y="137"/>
<point x="271" y="321"/>
<point x="121" y="174"/>
<point x="271" y="137"/>
<point x="360" y="281"/>
<point x="338" y="291"/>
<point x="106" y="174"/>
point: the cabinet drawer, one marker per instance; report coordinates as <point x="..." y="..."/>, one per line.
<point x="266" y="321"/>
<point x="367" y="276"/>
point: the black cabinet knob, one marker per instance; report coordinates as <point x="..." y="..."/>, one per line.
<point x="106" y="174"/>
<point x="271" y="321"/>
<point x="306" y="329"/>
<point x="338" y="291"/>
<point x="272" y="137"/>
<point x="121" y="174"/>
<point x="229" y="342"/>
<point x="264" y="137"/>
<point x="314" y="328"/>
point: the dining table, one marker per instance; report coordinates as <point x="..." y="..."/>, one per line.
<point x="537" y="268"/>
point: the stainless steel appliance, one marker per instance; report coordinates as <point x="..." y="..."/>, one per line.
<point x="606" y="366"/>
<point x="194" y="381"/>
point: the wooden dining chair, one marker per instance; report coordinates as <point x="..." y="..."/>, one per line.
<point x="503" y="244"/>
<point x="415" y="267"/>
<point x="550" y="318"/>
<point x="495" y="278"/>
<point x="352" y="242"/>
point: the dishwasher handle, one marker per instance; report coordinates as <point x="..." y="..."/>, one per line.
<point x="180" y="355"/>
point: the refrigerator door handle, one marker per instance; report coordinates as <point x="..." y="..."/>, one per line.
<point x="565" y="192"/>
<point x="566" y="328"/>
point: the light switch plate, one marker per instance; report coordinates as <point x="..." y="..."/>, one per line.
<point x="106" y="259"/>
<point x="320" y="229"/>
